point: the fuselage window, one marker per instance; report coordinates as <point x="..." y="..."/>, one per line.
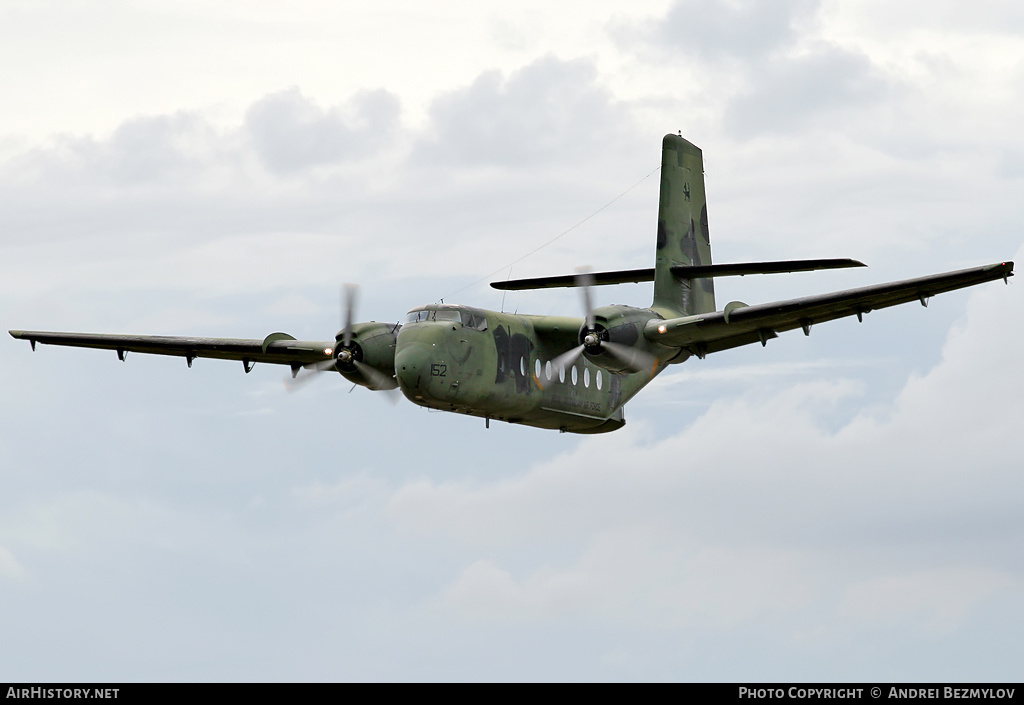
<point x="522" y="366"/>
<point x="561" y="374"/>
<point x="599" y="379"/>
<point x="586" y="376"/>
<point x="536" y="368"/>
<point x="574" y="374"/>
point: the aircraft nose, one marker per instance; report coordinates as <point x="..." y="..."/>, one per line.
<point x="412" y="367"/>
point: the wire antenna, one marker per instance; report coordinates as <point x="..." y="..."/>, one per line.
<point x="552" y="240"/>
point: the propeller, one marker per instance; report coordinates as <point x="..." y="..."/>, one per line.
<point x="595" y="338"/>
<point x="349" y="294"/>
<point x="348" y="356"/>
<point x="308" y="373"/>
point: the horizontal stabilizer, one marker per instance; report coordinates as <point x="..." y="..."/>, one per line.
<point x="632" y="276"/>
<point x="742" y="269"/>
<point x="625" y="276"/>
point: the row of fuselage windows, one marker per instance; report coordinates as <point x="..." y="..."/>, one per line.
<point x="547" y="372"/>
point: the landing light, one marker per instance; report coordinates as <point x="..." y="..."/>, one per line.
<point x="328" y="351"/>
<point x="662" y="329"/>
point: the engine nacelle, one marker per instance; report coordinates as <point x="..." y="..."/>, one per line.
<point x="621" y="326"/>
<point x="371" y="344"/>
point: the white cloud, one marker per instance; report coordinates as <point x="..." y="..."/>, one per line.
<point x="484" y="590"/>
<point x="641" y="578"/>
<point x="941" y="598"/>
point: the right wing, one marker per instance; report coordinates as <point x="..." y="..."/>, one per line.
<point x="740" y="324"/>
<point x="276" y="348"/>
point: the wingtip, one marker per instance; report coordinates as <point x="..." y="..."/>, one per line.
<point x="1007" y="268"/>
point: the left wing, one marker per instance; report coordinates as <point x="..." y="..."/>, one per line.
<point x="740" y="324"/>
<point x="276" y="348"/>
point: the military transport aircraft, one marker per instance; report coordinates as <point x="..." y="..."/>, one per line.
<point x="561" y="372"/>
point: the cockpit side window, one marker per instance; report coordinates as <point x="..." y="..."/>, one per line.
<point x="474" y="319"/>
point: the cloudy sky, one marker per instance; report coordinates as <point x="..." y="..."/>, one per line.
<point x="845" y="506"/>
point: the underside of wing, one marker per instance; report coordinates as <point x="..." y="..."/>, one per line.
<point x="276" y="348"/>
<point x="739" y="324"/>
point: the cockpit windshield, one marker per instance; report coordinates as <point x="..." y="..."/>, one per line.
<point x="433" y="315"/>
<point x="467" y="317"/>
<point x="448" y="315"/>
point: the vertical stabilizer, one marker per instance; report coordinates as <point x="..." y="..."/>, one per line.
<point x="682" y="231"/>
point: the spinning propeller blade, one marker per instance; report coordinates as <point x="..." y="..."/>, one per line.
<point x="347" y="357"/>
<point x="595" y="339"/>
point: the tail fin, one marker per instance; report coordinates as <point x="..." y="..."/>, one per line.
<point x="682" y="231"/>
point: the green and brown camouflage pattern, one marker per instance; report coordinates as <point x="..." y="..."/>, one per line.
<point x="502" y="366"/>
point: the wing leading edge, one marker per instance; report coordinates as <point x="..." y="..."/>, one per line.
<point x="276" y="348"/>
<point x="739" y="324"/>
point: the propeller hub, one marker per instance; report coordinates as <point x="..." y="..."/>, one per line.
<point x="592" y="338"/>
<point x="348" y="357"/>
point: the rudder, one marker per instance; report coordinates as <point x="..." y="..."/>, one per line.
<point x="683" y="237"/>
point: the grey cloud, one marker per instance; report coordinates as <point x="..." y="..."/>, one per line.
<point x="725" y="29"/>
<point x="540" y="113"/>
<point x="291" y="133"/>
<point x="179" y="176"/>
<point x="787" y="93"/>
<point x="152" y="149"/>
<point x="749" y="53"/>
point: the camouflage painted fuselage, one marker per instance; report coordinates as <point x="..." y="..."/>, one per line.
<point x="499" y="366"/>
